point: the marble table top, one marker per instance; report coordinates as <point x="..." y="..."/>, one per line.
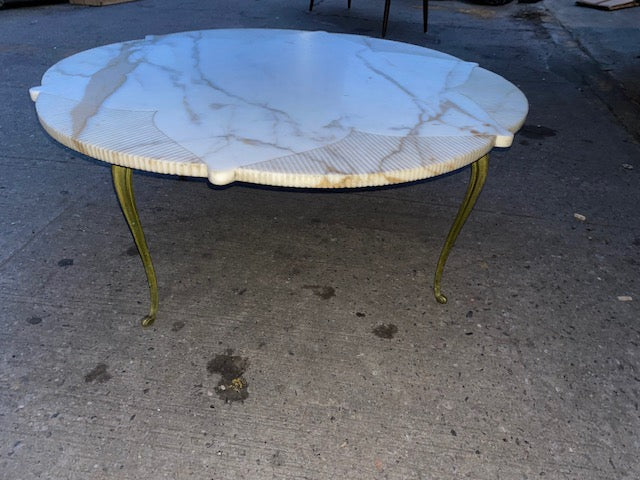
<point x="278" y="107"/>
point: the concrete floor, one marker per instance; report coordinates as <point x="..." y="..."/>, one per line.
<point x="532" y="370"/>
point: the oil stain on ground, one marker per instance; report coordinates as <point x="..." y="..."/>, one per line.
<point x="98" y="374"/>
<point x="323" y="291"/>
<point x="177" y="326"/>
<point x="232" y="386"/>
<point x="531" y="15"/>
<point x="385" y="331"/>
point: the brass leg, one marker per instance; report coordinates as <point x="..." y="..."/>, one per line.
<point x="122" y="181"/>
<point x="479" y="170"/>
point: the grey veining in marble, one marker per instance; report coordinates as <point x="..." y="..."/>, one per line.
<point x="279" y="107"/>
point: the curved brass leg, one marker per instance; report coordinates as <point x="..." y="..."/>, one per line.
<point x="123" y="184"/>
<point x="479" y="170"/>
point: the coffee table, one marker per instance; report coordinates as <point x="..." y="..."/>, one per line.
<point x="279" y="107"/>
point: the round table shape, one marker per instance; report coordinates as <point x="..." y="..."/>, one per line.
<point x="279" y="107"/>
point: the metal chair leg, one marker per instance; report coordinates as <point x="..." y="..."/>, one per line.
<point x="385" y="20"/>
<point x="425" y="13"/>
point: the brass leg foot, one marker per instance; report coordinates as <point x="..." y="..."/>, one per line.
<point x="122" y="181"/>
<point x="479" y="170"/>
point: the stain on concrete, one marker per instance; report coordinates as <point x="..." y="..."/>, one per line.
<point x="132" y="251"/>
<point x="177" y="326"/>
<point x="98" y="374"/>
<point x="477" y="12"/>
<point x="34" y="320"/>
<point x="537" y="132"/>
<point x="16" y="446"/>
<point x="232" y="386"/>
<point x="385" y="331"/>
<point x="277" y="459"/>
<point x="531" y="15"/>
<point x="325" y="292"/>
<point x="361" y="314"/>
<point x="65" y="262"/>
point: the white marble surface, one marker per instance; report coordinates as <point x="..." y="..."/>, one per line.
<point x="278" y="107"/>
